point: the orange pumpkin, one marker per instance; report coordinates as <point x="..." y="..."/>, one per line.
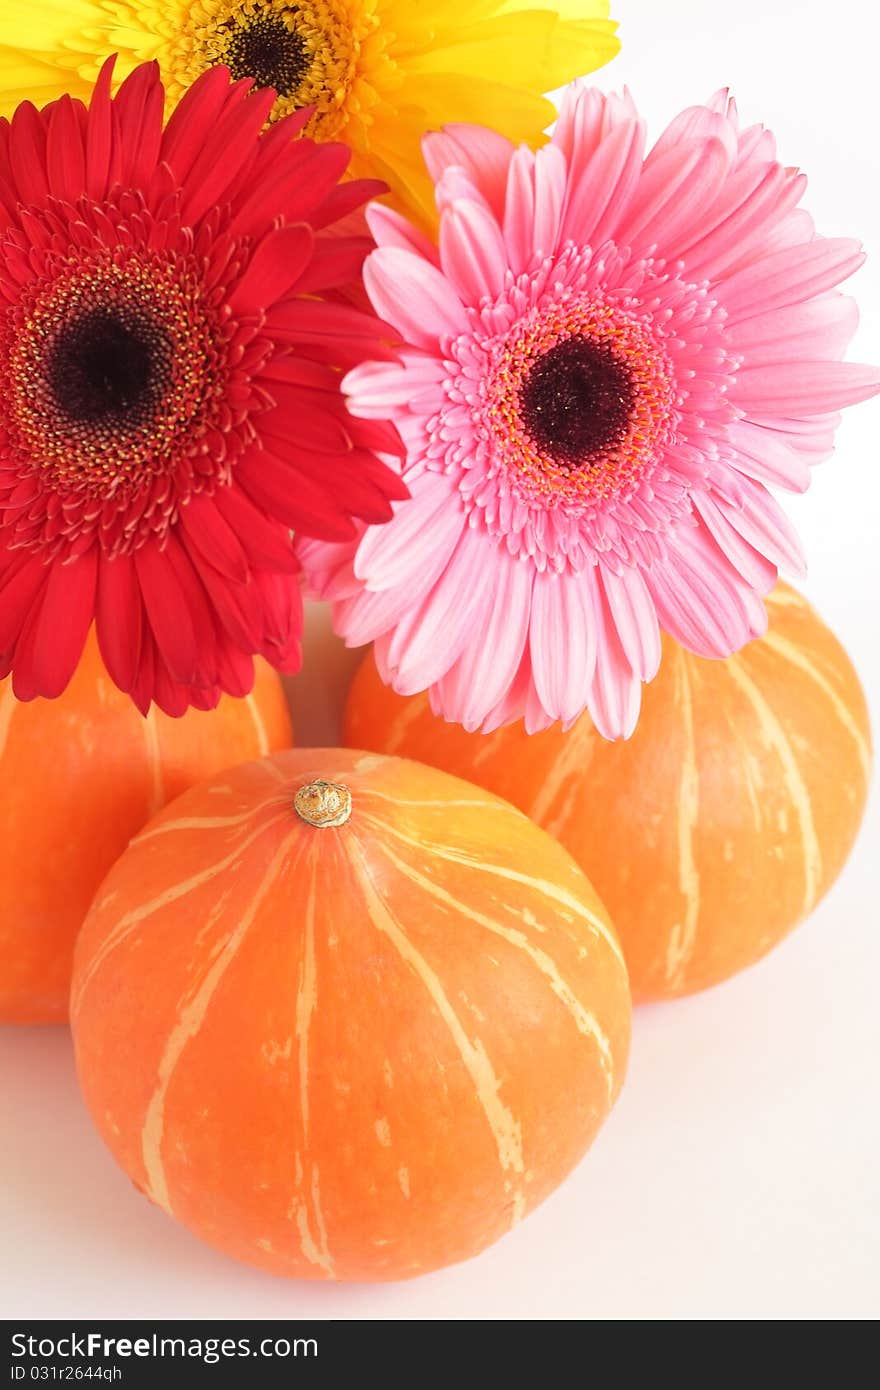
<point x="347" y="1017"/>
<point x="717" y="827"/>
<point x="80" y="775"/>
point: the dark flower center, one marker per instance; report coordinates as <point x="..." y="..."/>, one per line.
<point x="577" y="400"/>
<point x="269" y="52"/>
<point x="109" y="364"/>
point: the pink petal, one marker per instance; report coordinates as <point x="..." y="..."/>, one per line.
<point x="615" y="694"/>
<point x="472" y="253"/>
<point x="598" y="200"/>
<point x="586" y="118"/>
<point x="512" y="704"/>
<point x="430" y="522"/>
<point x="762" y="454"/>
<point x="414" y="296"/>
<point x="484" y="153"/>
<point x="673" y="192"/>
<point x="743" y="230"/>
<point x="390" y="229"/>
<point x="803" y="388"/>
<point x="488" y="665"/>
<point x="519" y="210"/>
<point x="814" y="328"/>
<point x="762" y="522"/>
<point x="789" y="276"/>
<point x="754" y="567"/>
<point x="379" y="389"/>
<point x="700" y="123"/>
<point x="562" y="640"/>
<point x="550" y="195"/>
<point x="701" y="599"/>
<point x="433" y="633"/>
<point x="635" y="617"/>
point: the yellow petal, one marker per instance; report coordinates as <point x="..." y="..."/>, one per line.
<point x="533" y="49"/>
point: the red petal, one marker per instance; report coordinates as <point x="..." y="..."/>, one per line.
<point x="167" y="611"/>
<point x="224" y="150"/>
<point x="119" y="611"/>
<point x="142" y="690"/>
<point x="138" y="108"/>
<point x="289" y="496"/>
<point x="197" y="112"/>
<point x="379" y="436"/>
<point x="300" y="419"/>
<point x="65" y="158"/>
<point x="274" y="269"/>
<point x="236" y="673"/>
<point x="335" y="263"/>
<point x="67" y="613"/>
<point x="307" y="319"/>
<point x="345" y="199"/>
<point x="207" y="530"/>
<point x="266" y="542"/>
<point x="99" y="133"/>
<point x="20" y="591"/>
<point x="27" y="154"/>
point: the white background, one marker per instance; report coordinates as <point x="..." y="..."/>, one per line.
<point x="738" y="1176"/>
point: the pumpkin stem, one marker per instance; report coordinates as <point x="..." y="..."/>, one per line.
<point x="323" y="803"/>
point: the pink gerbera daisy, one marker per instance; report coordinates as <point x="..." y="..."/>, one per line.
<point x="170" y="343"/>
<point x="608" y="358"/>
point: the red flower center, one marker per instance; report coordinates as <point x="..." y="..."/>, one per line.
<point x="110" y="364"/>
<point x="117" y="382"/>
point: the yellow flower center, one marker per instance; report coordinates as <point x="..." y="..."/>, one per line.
<point x="311" y="51"/>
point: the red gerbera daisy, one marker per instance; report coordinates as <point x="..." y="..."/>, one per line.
<point x="171" y="335"/>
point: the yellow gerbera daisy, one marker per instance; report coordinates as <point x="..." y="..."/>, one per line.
<point x="378" y="72"/>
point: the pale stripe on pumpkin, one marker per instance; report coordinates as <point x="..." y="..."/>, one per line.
<point x="133" y="919"/>
<point x="8" y="706"/>
<point x="189" y="1023"/>
<point x="791" y="653"/>
<point x="398" y="730"/>
<point x="313" y="1245"/>
<point x="584" y="1020"/>
<point x="207" y="822"/>
<point x="366" y="793"/>
<point x="684" y="933"/>
<point x="315" y="1251"/>
<point x="783" y="597"/>
<point x="259" y="726"/>
<point x="776" y="739"/>
<point x="540" y="885"/>
<point x="154" y="760"/>
<point x="569" y="765"/>
<point x="506" y="1129"/>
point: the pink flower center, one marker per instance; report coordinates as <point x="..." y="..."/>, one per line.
<point x="571" y="402"/>
<point x="582" y="397"/>
<point x="576" y="401"/>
